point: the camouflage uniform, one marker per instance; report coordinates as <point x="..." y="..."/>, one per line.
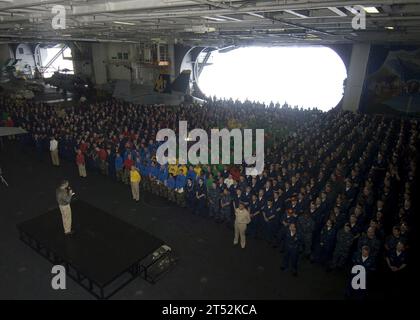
<point x="180" y="199"/>
<point x="163" y="190"/>
<point x="171" y="194"/>
<point x="146" y="184"/>
<point x="214" y="202"/>
<point x="342" y="248"/>
<point x="225" y="212"/>
<point x="305" y="227"/>
<point x="154" y="186"/>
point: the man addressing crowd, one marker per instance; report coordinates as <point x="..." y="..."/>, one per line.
<point x="64" y="195"/>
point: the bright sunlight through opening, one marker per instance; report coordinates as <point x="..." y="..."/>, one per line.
<point x="307" y="77"/>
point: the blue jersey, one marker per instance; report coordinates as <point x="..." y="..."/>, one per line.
<point x="146" y="170"/>
<point x="180" y="181"/>
<point x="119" y="163"/>
<point x="126" y="153"/>
<point x="170" y="182"/>
<point x="143" y="169"/>
<point x="138" y="164"/>
<point x="153" y="171"/>
<point x="163" y="174"/>
<point x="191" y="175"/>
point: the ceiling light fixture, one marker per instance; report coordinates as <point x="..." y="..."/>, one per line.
<point x="214" y="18"/>
<point x="256" y="15"/>
<point x="125" y="23"/>
<point x="371" y="9"/>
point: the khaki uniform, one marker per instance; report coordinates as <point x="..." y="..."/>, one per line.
<point x="63" y="198"/>
<point x="66" y="216"/>
<point x="55" y="158"/>
<point x="135" y="191"/>
<point x="82" y="170"/>
<point x="241" y="221"/>
<point x="54" y="152"/>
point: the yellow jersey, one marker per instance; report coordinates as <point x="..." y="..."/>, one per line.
<point x="173" y="169"/>
<point x="197" y="170"/>
<point x="135" y="176"/>
<point x="183" y="169"/>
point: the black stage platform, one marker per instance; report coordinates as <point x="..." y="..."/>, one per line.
<point x="103" y="255"/>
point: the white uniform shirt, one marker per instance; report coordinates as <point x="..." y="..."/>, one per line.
<point x="228" y="182"/>
<point x="53" y="145"/>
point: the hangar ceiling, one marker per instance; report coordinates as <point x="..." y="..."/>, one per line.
<point x="211" y="22"/>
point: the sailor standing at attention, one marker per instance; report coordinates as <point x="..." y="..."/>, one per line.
<point x="135" y="179"/>
<point x="81" y="163"/>
<point x="242" y="218"/>
<point x="54" y="152"/>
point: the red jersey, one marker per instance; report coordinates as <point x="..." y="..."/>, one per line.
<point x="235" y="173"/>
<point x="102" y="154"/>
<point x="128" y="163"/>
<point x="83" y="147"/>
<point x="80" y="159"/>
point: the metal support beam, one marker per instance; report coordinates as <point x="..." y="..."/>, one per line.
<point x="338" y="11"/>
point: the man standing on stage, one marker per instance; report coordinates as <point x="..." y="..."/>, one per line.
<point x="64" y="195"/>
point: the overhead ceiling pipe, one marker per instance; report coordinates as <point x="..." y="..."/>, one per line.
<point x="31" y="4"/>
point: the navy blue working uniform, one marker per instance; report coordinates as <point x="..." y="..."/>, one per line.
<point x="292" y="244"/>
<point x="190" y="195"/>
<point x="254" y="227"/>
<point x="286" y="219"/>
<point x="269" y="222"/>
<point x="201" y="198"/>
